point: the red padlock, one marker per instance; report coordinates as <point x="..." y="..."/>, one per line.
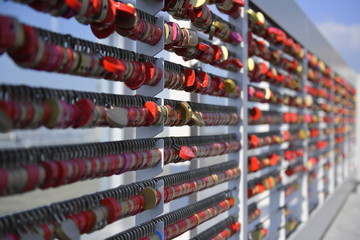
<point x="254" y="164"/>
<point x="12" y="32"/>
<point x="114" y="66"/>
<point x="186" y="153"/>
<point x="253" y="141"/>
<point x="33" y="177"/>
<point x="52" y="173"/>
<point x="4" y="180"/>
<point x="114" y="209"/>
<point x="255" y="113"/>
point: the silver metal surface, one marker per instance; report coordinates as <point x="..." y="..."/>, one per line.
<point x="317" y="225"/>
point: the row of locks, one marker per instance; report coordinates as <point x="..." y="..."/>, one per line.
<point x="276" y="122"/>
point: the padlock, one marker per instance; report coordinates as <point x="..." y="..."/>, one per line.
<point x="66" y="229"/>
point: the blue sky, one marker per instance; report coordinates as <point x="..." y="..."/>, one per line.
<point x="344" y="11"/>
<point x="339" y="22"/>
